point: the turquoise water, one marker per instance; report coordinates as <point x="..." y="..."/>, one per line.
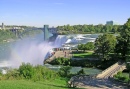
<point x="74" y="70"/>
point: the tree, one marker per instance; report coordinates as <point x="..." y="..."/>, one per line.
<point x="89" y="46"/>
<point x="64" y="71"/>
<point x="81" y="47"/>
<point x="114" y="29"/>
<point x="126" y="27"/>
<point x="88" y="28"/>
<point x="123" y="44"/>
<point x="123" y="41"/>
<point x="105" y="44"/>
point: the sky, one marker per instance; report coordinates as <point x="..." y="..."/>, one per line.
<point x="63" y="12"/>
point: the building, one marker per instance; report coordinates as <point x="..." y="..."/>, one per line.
<point x="3" y="26"/>
<point x="109" y="23"/>
<point x="10" y="27"/>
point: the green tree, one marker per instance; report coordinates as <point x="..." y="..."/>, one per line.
<point x="64" y="71"/>
<point x="115" y="28"/>
<point x="80" y="47"/>
<point x="88" y="28"/>
<point x="125" y="35"/>
<point x="105" y="44"/>
<point x="89" y="46"/>
<point x="123" y="41"/>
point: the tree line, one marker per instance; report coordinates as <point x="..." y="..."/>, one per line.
<point x="9" y="34"/>
<point x="66" y="29"/>
<point x="6" y="34"/>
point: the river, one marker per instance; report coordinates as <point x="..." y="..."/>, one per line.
<point x="34" y="50"/>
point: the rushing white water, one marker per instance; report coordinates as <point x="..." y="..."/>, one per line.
<point x="34" y="50"/>
<point x="61" y="39"/>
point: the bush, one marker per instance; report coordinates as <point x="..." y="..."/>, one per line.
<point x="42" y="73"/>
<point x="85" y="63"/>
<point x="119" y="76"/>
<point x="26" y="70"/>
<point x="13" y="74"/>
<point x="61" y="61"/>
<point x="65" y="71"/>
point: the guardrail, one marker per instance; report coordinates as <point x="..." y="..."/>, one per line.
<point x="113" y="72"/>
<point x="122" y="67"/>
<point x="107" y="69"/>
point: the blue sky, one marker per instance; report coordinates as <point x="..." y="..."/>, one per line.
<point x="62" y="12"/>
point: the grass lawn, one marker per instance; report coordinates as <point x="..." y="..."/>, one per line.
<point x="81" y="54"/>
<point x="125" y="74"/>
<point x="26" y="84"/>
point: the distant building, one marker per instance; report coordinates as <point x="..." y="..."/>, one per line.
<point x="3" y="26"/>
<point x="10" y="27"/>
<point x="109" y="23"/>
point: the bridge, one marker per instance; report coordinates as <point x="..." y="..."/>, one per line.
<point x="112" y="70"/>
<point x="47" y="31"/>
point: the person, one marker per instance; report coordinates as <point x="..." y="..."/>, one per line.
<point x="77" y="50"/>
<point x="63" y="49"/>
<point x="65" y="54"/>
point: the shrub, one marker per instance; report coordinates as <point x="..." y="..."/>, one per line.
<point x="64" y="71"/>
<point x="119" y="76"/>
<point x="26" y="70"/>
<point x="42" y="73"/>
<point x="61" y="61"/>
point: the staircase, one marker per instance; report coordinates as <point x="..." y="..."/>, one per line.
<point x="112" y="70"/>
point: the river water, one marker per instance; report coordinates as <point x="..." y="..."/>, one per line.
<point x="74" y="70"/>
<point x="34" y="50"/>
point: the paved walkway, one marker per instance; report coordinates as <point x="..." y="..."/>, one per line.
<point x="60" y="54"/>
<point x="93" y="83"/>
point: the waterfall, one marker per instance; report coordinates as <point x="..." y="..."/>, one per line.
<point x="34" y="50"/>
<point x="61" y="39"/>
